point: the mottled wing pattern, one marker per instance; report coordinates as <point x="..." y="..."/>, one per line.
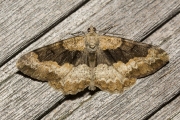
<point x="129" y="60"/>
<point x="62" y="64"/>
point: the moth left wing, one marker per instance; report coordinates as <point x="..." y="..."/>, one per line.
<point x="62" y="64"/>
<point x="127" y="61"/>
<point x="133" y="59"/>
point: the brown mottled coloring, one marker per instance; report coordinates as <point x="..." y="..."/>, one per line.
<point x="109" y="63"/>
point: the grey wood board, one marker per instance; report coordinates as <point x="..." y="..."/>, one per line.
<point x="20" y="21"/>
<point x="170" y="111"/>
<point x="23" y="99"/>
<point x="176" y="117"/>
<point x="133" y="22"/>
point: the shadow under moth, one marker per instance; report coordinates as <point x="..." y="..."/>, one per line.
<point x="110" y="63"/>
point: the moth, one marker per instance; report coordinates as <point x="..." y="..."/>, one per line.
<point x="110" y="63"/>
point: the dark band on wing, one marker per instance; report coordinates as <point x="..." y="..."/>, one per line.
<point x="128" y="50"/>
<point x="59" y="54"/>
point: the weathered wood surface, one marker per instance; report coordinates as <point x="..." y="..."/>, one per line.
<point x="170" y="111"/>
<point x="23" y="98"/>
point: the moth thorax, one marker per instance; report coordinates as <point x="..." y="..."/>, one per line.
<point x="92" y="42"/>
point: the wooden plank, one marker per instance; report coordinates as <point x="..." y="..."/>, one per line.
<point x="101" y="11"/>
<point x="176" y="117"/>
<point x="171" y="111"/>
<point x="19" y="98"/>
<point x="149" y="94"/>
<point x="22" y="22"/>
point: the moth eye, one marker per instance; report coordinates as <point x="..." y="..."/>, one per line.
<point x="94" y="29"/>
<point x="88" y="29"/>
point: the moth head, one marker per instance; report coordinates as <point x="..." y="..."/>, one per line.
<point x="91" y="29"/>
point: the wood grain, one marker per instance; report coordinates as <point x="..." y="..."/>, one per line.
<point x="170" y="111"/>
<point x="23" y="98"/>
